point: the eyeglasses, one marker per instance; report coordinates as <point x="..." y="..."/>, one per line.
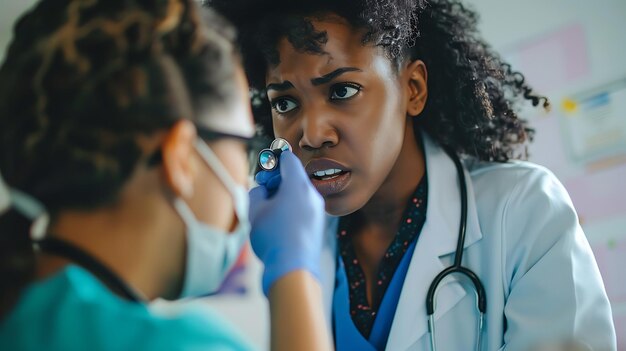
<point x="253" y="144"/>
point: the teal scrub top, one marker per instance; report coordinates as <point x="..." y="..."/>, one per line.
<point x="73" y="310"/>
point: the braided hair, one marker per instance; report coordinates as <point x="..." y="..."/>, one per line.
<point x="82" y="81"/>
<point x="474" y="96"/>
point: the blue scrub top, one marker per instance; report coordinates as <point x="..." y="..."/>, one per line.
<point x="73" y="310"/>
<point x="347" y="336"/>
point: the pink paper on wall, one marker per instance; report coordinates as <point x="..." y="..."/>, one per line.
<point x="552" y="60"/>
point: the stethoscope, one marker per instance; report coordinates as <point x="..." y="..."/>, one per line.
<point x="457" y="268"/>
<point x="268" y="161"/>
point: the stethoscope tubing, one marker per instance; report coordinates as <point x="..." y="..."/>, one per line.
<point x="457" y="268"/>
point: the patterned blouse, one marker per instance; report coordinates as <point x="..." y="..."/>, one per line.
<point x="363" y="315"/>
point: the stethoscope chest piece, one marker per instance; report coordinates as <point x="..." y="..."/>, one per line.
<point x="268" y="158"/>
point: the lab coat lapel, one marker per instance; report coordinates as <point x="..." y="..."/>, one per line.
<point x="438" y="238"/>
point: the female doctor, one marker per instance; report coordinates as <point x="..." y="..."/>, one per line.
<point x="126" y="122"/>
<point x="379" y="100"/>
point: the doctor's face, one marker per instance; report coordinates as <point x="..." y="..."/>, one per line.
<point x="343" y="112"/>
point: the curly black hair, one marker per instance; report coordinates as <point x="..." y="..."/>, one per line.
<point x="82" y="81"/>
<point x="474" y="96"/>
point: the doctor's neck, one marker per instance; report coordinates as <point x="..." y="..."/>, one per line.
<point x="386" y="207"/>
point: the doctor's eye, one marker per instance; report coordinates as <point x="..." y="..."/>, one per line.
<point x="284" y="105"/>
<point x="344" y="91"/>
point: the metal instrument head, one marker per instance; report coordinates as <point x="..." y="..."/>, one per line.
<point x="268" y="158"/>
<point x="280" y="144"/>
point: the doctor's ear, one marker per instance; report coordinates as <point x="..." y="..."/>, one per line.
<point x="416" y="78"/>
<point x="178" y="158"/>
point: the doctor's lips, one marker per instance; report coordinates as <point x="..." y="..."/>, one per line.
<point x="328" y="177"/>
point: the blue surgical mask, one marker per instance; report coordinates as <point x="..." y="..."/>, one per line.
<point x="211" y="252"/>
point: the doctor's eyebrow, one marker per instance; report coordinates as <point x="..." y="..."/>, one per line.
<point x="334" y="74"/>
<point x="286" y="85"/>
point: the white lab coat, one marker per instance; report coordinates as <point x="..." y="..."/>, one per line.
<point x="525" y="244"/>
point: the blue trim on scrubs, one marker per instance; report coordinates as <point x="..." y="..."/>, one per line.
<point x="347" y="336"/>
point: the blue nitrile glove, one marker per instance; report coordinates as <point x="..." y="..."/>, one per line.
<point x="269" y="179"/>
<point x="288" y="227"/>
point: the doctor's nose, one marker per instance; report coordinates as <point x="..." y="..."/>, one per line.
<point x="317" y="132"/>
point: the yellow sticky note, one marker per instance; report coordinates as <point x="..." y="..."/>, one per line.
<point x="569" y="105"/>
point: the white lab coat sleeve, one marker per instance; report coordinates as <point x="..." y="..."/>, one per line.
<point x="555" y="291"/>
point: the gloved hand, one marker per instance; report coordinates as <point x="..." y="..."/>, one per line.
<point x="288" y="227"/>
<point x="269" y="179"/>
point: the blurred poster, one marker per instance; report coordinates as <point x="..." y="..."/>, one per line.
<point x="594" y="123"/>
